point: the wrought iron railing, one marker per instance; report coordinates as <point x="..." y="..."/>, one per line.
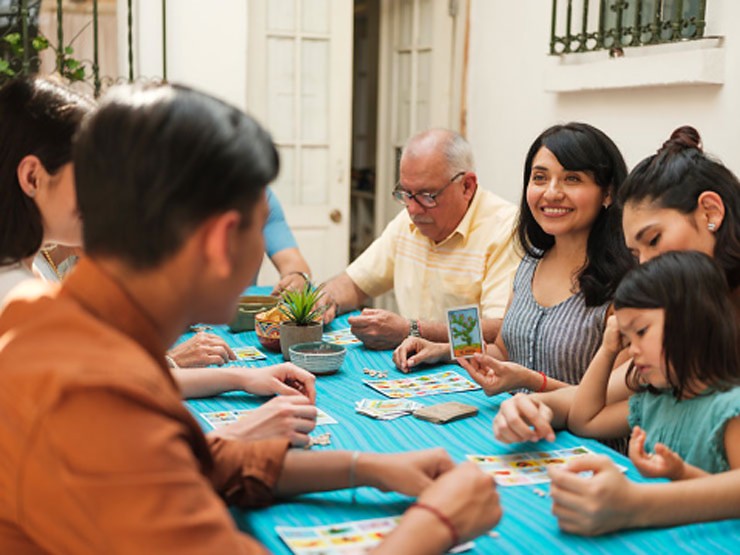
<point x="22" y="43"/>
<point x="588" y="25"/>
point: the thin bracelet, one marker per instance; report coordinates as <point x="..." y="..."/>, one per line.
<point x="442" y="518"/>
<point x="171" y="361"/>
<point x="544" y="382"/>
<point x="353" y="475"/>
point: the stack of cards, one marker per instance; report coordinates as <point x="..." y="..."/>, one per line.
<point x="386" y="410"/>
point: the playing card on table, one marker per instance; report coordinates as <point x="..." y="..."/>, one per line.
<point x="420" y="386"/>
<point x="341" y="337"/>
<point x="221" y="418"/>
<point x="248" y="353"/>
<point x="322" y="418"/>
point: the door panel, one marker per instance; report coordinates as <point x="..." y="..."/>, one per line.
<point x="299" y="86"/>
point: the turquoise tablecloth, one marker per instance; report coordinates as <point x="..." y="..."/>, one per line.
<point x="528" y="525"/>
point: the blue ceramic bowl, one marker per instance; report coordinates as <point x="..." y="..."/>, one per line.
<point x="318" y="357"/>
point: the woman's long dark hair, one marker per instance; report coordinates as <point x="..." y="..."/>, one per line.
<point x="582" y="147"/>
<point x="699" y="337"/>
<point x="37" y="117"/>
<point x="676" y="176"/>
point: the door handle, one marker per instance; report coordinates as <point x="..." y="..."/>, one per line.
<point x="335" y="216"/>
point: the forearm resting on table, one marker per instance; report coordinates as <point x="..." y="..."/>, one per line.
<point x="712" y="497"/>
<point x="206" y="382"/>
<point x="306" y="472"/>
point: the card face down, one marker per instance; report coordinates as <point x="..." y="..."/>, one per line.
<point x="445" y="412"/>
<point x="464" y="331"/>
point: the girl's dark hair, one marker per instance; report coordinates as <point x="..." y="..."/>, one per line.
<point x="676" y="176"/>
<point x="582" y="147"/>
<point x="37" y="117"/>
<point x="699" y="337"/>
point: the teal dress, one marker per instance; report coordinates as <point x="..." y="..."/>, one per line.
<point x="694" y="428"/>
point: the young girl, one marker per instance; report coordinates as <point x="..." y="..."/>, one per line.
<point x="569" y="228"/>
<point x="681" y="397"/>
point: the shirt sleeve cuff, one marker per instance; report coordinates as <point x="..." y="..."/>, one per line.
<point x="245" y="472"/>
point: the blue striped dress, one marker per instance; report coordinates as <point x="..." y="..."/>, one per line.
<point x="558" y="340"/>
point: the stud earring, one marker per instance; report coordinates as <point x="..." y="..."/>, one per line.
<point x="711" y="226"/>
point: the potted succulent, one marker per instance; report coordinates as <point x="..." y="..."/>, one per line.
<point x="303" y="317"/>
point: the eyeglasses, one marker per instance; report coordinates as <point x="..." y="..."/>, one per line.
<point x="427" y="200"/>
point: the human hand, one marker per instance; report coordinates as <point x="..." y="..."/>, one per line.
<point x="201" y="350"/>
<point x="590" y="506"/>
<point x="468" y="498"/>
<point x="612" y="340"/>
<point x="415" y="350"/>
<point x="293" y="281"/>
<point x="281" y="379"/>
<point x="495" y="376"/>
<point x="523" y="418"/>
<point x="407" y="473"/>
<point x="291" y="417"/>
<point x="379" y="329"/>
<point x="663" y="463"/>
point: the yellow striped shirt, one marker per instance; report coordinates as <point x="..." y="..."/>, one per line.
<point x="475" y="264"/>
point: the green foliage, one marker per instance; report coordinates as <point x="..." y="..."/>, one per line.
<point x="70" y="68"/>
<point x="462" y="327"/>
<point x="302" y="306"/>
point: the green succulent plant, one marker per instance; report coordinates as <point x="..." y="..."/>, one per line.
<point x="301" y="306"/>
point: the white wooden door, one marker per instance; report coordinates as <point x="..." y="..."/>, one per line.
<point x="299" y="85"/>
<point x="421" y="81"/>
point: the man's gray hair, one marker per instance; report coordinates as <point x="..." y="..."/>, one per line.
<point x="456" y="148"/>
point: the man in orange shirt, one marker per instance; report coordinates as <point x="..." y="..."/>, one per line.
<point x="98" y="453"/>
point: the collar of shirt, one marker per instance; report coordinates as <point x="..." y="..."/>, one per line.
<point x="104" y="297"/>
<point x="464" y="227"/>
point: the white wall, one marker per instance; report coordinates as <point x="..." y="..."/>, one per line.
<point x="206" y="44"/>
<point x="508" y="105"/>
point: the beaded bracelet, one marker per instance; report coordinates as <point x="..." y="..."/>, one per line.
<point x="442" y="518"/>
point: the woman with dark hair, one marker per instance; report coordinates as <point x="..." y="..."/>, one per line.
<point x="681" y="199"/>
<point x="677" y="199"/>
<point x="574" y="258"/>
<point x="38" y="119"/>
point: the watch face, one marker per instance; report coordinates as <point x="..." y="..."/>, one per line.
<point x="414" y="328"/>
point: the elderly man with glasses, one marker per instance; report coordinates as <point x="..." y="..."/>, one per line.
<point x="452" y="246"/>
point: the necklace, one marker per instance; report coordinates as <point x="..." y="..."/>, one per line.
<point x="48" y="258"/>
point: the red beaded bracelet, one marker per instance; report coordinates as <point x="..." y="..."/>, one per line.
<point x="442" y="518"/>
<point x="544" y="382"/>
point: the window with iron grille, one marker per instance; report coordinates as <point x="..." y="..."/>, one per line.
<point x="589" y="25"/>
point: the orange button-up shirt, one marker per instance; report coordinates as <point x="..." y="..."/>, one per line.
<point x="97" y="452"/>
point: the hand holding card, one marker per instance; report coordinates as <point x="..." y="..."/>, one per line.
<point x="464" y="331"/>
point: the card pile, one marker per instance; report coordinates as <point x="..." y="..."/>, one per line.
<point x="345" y="538"/>
<point x="526" y="469"/>
<point x="341" y="337"/>
<point x="421" y="386"/>
<point x="386" y="410"/>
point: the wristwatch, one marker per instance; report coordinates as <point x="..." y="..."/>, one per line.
<point x="414" y="328"/>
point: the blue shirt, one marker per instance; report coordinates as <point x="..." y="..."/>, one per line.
<point x="276" y="232"/>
